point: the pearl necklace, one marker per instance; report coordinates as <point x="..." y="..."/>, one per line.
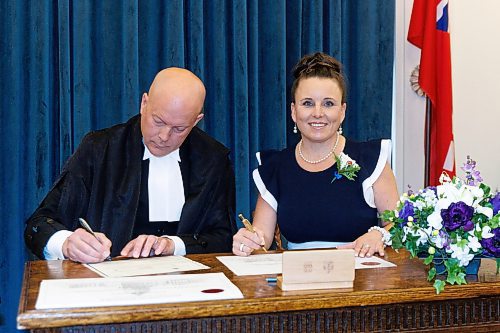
<point x="321" y="159"/>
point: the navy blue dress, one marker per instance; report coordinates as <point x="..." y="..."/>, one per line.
<point x="310" y="207"/>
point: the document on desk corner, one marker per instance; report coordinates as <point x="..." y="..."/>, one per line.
<point x="258" y="264"/>
<point x="255" y="264"/>
<point x="145" y="266"/>
<point x="137" y="290"/>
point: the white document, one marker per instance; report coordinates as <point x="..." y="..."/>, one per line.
<point x="272" y="263"/>
<point x="372" y="262"/>
<point x="253" y="265"/>
<point x="145" y="266"/>
<point x="95" y="292"/>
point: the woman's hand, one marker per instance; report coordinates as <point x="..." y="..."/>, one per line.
<point x="245" y="242"/>
<point x="367" y="245"/>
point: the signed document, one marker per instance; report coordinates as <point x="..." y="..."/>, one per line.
<point x="272" y="263"/>
<point x="95" y="292"/>
<point x="145" y="266"/>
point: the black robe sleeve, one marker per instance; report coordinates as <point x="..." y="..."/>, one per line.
<point x="63" y="204"/>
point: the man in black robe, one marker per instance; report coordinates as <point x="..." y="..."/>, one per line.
<point x="155" y="185"/>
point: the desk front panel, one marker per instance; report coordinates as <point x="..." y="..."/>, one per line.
<point x="398" y="298"/>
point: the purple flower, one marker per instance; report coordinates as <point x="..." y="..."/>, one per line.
<point x="472" y="176"/>
<point x="458" y="215"/>
<point x="407" y="210"/>
<point x="469" y="165"/>
<point x="495" y="201"/>
<point x="433" y="188"/>
<point x="446" y="237"/>
<point x="492" y="245"/>
<point x="468" y="226"/>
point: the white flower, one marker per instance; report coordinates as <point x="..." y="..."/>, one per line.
<point x="345" y="159"/>
<point x="462" y="254"/>
<point x="486" y="232"/>
<point x="438" y="240"/>
<point x="485" y="210"/>
<point x="435" y="220"/>
<point x="449" y="193"/>
<point x="474" y="244"/>
<point x="424" y="236"/>
<point x="476" y="191"/>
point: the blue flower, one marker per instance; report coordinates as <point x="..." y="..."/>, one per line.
<point x="492" y="245"/>
<point x="457" y="215"/>
<point x="495" y="201"/>
<point x="406" y="210"/>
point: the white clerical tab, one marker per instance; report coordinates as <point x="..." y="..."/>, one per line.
<point x="165" y="187"/>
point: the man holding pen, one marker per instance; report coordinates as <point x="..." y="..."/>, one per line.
<point x="155" y="185"/>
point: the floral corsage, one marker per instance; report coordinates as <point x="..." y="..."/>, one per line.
<point x="346" y="167"/>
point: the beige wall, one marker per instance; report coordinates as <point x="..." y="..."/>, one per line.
<point x="475" y="44"/>
<point x="475" y="47"/>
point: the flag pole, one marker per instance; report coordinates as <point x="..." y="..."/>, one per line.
<point x="427" y="153"/>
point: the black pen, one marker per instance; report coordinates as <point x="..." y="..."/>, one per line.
<point x="87" y="227"/>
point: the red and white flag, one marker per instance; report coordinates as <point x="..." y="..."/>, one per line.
<point x="429" y="31"/>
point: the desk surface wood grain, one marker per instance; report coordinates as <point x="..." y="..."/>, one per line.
<point x="405" y="283"/>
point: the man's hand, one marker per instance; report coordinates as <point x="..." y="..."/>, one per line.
<point x="81" y="246"/>
<point x="148" y="245"/>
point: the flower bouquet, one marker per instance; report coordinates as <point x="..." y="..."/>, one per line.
<point x="450" y="224"/>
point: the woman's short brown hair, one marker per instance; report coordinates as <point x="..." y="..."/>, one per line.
<point x="319" y="65"/>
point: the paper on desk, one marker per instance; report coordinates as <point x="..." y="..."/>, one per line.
<point x="372" y="262"/>
<point x="145" y="266"/>
<point x="272" y="263"/>
<point x="154" y="289"/>
<point x="253" y="265"/>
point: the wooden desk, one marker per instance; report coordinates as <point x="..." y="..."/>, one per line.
<point x="397" y="299"/>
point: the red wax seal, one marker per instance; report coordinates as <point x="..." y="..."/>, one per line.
<point x="370" y="263"/>
<point x="212" y="291"/>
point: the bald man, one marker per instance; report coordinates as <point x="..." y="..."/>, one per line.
<point x="155" y="185"/>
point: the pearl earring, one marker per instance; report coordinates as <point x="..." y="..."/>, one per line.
<point x="295" y="128"/>
<point x="339" y="130"/>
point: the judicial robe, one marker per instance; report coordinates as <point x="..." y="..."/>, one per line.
<point x="101" y="182"/>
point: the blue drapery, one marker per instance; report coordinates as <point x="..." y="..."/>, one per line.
<point x="68" y="67"/>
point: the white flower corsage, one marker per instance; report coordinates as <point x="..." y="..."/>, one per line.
<point x="346" y="167"/>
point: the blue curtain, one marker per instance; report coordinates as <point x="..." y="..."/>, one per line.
<point x="68" y="67"/>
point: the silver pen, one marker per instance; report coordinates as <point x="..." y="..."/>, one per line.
<point x="87" y="227"/>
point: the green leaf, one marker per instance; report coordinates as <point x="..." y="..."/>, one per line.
<point x="486" y="189"/>
<point x="498" y="265"/>
<point x="388" y="215"/>
<point x="397" y="238"/>
<point x="495" y="221"/>
<point x="439" y="285"/>
<point x="452" y="278"/>
<point x="461" y="278"/>
<point x="432" y="274"/>
<point x="429" y="259"/>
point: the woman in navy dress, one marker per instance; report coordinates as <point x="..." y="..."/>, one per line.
<point x="326" y="191"/>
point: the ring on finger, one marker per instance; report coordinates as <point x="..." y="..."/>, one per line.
<point x="241" y="247"/>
